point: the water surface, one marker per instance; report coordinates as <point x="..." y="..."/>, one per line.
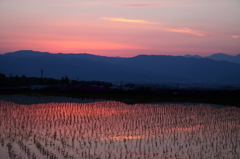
<point x="37" y="127"/>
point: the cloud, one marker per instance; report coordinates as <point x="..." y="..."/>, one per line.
<point x="128" y="20"/>
<point x="66" y="5"/>
<point x="138" y="5"/>
<point x="235" y="36"/>
<point x="155" y="4"/>
<point x="184" y="30"/>
<point x="187" y="31"/>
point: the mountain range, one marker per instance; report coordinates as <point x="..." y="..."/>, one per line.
<point x="219" y="57"/>
<point x="215" y="69"/>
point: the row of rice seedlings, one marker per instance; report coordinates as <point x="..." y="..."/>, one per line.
<point x="115" y="130"/>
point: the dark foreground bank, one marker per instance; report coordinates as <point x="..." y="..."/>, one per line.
<point x="221" y="97"/>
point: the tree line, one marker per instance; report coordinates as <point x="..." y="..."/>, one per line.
<point x="17" y="81"/>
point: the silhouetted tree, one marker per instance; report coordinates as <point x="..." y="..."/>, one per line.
<point x="2" y="76"/>
<point x="3" y="80"/>
<point x="74" y="82"/>
<point x="51" y="81"/>
<point x="17" y="81"/>
<point x="24" y="77"/>
<point x="65" y="80"/>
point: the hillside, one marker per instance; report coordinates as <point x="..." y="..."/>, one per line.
<point x="139" y="69"/>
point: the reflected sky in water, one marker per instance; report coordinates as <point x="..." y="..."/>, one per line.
<point x="110" y="129"/>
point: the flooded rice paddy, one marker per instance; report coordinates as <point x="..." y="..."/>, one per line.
<point x="57" y="128"/>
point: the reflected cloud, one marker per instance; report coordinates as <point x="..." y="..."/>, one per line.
<point x="123" y="137"/>
<point x="62" y="128"/>
<point x="179" y="129"/>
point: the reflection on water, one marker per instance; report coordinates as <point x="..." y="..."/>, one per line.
<point x="109" y="129"/>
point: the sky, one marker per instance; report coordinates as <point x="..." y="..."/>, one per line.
<point x="123" y="28"/>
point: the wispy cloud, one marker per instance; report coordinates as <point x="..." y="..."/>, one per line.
<point x="66" y="5"/>
<point x="138" y="5"/>
<point x="235" y="36"/>
<point x="187" y="31"/>
<point x="128" y="20"/>
<point x="155" y="4"/>
<point x="184" y="30"/>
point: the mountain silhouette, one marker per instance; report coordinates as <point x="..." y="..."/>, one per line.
<point x="219" y="57"/>
<point x="138" y="69"/>
<point x="225" y="57"/>
<point x="193" y="56"/>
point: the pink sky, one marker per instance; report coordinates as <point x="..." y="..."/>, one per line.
<point x="125" y="28"/>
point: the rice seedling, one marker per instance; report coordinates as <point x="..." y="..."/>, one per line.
<point x="109" y="129"/>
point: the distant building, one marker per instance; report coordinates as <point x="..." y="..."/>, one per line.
<point x="37" y="87"/>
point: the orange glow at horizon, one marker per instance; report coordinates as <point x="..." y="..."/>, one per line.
<point x="126" y="28"/>
<point x="91" y="45"/>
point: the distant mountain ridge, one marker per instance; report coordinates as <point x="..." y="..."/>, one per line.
<point x="219" y="57"/>
<point x="138" y="69"/>
<point x="27" y="53"/>
<point x="216" y="56"/>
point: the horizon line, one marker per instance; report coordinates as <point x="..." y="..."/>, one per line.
<point x="122" y="56"/>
